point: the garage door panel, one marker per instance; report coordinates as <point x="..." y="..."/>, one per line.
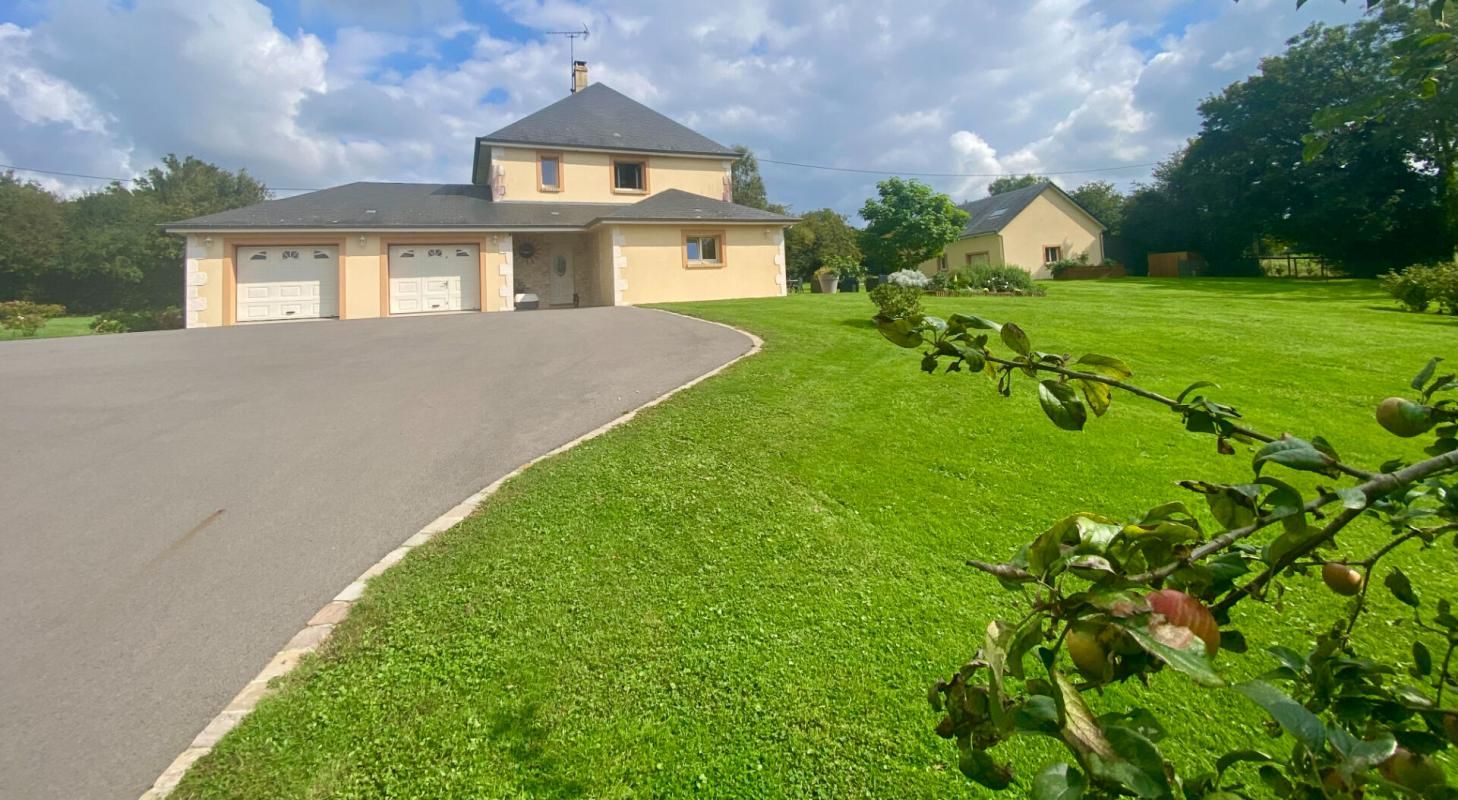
<point x="434" y="278"/>
<point x="286" y="282"/>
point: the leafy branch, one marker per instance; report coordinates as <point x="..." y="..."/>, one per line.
<point x="1112" y="600"/>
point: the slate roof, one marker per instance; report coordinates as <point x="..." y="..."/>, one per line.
<point x="992" y="214"/>
<point x="601" y="118"/>
<point x="362" y="206"/>
<point x="676" y="205"/>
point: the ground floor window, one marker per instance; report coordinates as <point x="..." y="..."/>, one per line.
<point x="981" y="259"/>
<point x="703" y="249"/>
<point x="1052" y="253"/>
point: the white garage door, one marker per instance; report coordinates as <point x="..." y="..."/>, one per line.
<point x="434" y="277"/>
<point x="287" y="282"/>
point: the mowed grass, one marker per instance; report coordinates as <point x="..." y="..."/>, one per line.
<point x="747" y="591"/>
<point x="54" y="328"/>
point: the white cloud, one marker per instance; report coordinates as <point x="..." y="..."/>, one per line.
<point x="944" y="86"/>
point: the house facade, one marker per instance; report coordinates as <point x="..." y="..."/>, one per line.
<point x="595" y="200"/>
<point x="1031" y="227"/>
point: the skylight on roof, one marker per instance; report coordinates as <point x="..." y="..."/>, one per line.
<point x="996" y="212"/>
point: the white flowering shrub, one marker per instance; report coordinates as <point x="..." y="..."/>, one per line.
<point x="910" y="278"/>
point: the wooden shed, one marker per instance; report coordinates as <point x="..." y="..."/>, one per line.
<point x="1178" y="264"/>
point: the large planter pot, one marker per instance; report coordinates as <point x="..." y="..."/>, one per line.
<point x="850" y="285"/>
<point x="827" y="283"/>
<point x="872" y="281"/>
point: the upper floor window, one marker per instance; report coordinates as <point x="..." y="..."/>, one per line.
<point x="549" y="172"/>
<point x="1052" y="253"/>
<point x="704" y="249"/>
<point x="630" y="176"/>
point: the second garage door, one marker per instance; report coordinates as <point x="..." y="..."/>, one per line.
<point x="434" y="277"/>
<point x="287" y="283"/>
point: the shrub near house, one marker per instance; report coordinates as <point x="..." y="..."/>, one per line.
<point x="986" y="279"/>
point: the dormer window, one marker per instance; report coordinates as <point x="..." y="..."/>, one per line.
<point x="630" y="177"/>
<point x="549" y="172"/>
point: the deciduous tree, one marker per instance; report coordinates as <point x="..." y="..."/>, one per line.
<point x="821" y="236"/>
<point x="32" y="222"/>
<point x="908" y="223"/>
<point x="106" y="249"/>
<point x="1103" y="200"/>
<point x="1008" y="183"/>
<point x="747" y="185"/>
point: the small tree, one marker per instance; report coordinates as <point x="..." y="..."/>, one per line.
<point x="910" y="223"/>
<point x="818" y="238"/>
<point x="745" y="181"/>
<point x="34" y="220"/>
<point x="1103" y="200"/>
<point x="1109" y="600"/>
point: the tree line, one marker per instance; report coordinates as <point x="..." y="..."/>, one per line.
<point x="1326" y="151"/>
<point x="106" y="250"/>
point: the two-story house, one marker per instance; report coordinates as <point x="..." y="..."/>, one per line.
<point x="595" y="200"/>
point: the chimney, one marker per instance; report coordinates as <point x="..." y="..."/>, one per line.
<point x="579" y="76"/>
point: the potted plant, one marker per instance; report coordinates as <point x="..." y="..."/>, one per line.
<point x="827" y="279"/>
<point x="849" y="270"/>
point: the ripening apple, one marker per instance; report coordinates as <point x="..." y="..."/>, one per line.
<point x="1089" y="654"/>
<point x="1187" y="612"/>
<point x="1403" y="417"/>
<point x="1341" y="578"/>
<point x="1416" y="772"/>
<point x="1450" y="726"/>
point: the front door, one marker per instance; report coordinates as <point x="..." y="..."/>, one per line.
<point x="561" y="285"/>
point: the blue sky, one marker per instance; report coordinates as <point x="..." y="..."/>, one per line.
<point x="312" y="93"/>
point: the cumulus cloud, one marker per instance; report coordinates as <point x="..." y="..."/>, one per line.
<point x="398" y="90"/>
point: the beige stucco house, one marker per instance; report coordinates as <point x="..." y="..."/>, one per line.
<point x="595" y="200"/>
<point x="1030" y="227"/>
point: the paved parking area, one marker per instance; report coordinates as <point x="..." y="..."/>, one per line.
<point x="175" y="505"/>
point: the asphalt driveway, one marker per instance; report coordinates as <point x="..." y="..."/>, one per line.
<point x="175" y="505"/>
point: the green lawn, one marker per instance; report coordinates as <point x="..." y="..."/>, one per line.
<point x="747" y="591"/>
<point x="60" y="326"/>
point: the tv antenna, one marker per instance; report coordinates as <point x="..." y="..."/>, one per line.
<point x="572" y="37"/>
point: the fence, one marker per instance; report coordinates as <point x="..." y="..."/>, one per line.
<point x="1295" y="265"/>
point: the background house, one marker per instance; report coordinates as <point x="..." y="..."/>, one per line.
<point x="594" y="200"/>
<point x="1029" y="227"/>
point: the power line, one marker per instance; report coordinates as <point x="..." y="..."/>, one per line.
<point x="120" y="180"/>
<point x="761" y="160"/>
<point x="952" y="174"/>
